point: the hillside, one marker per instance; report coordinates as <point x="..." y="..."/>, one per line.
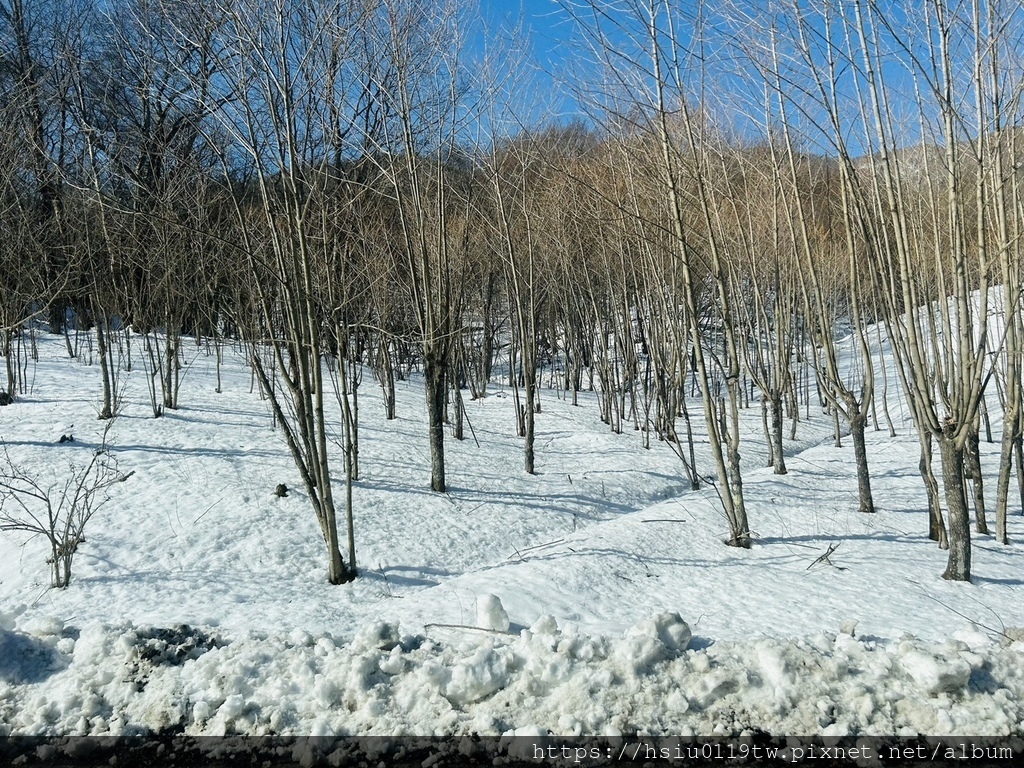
<point x="625" y="612"/>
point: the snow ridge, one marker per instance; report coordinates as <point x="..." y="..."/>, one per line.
<point x="654" y="680"/>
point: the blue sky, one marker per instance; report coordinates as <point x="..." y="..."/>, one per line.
<point x="547" y="30"/>
<point x="558" y="59"/>
<point x="546" y="22"/>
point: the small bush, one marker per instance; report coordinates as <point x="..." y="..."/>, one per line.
<point x="59" y="509"/>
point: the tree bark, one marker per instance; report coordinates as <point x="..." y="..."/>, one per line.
<point x="958" y="567"/>
<point x="972" y="471"/>
<point x="102" y="343"/>
<point x="858" y="423"/>
<point x="434" y="378"/>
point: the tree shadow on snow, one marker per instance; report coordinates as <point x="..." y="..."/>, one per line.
<point x="418" y="576"/>
<point x="188" y="451"/>
<point x="824" y="540"/>
<point x="644" y="564"/>
<point x="195" y="451"/>
<point x="588" y="506"/>
<point x="470" y="500"/>
<point x="990" y="580"/>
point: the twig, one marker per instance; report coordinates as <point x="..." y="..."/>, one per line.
<point x="218" y="501"/>
<point x="825" y="557"/>
<point x="519" y="552"/>
<point x="471" y="629"/>
<point x="1001" y="632"/>
<point x="465" y="414"/>
<point x="662" y="520"/>
<point x="388" y="591"/>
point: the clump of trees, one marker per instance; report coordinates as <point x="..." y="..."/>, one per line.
<point x="758" y="191"/>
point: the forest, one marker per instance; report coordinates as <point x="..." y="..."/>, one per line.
<point x="354" y="191"/>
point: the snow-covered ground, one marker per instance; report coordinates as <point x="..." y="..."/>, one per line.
<point x="595" y="597"/>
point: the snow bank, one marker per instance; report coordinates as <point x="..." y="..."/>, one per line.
<point x="123" y="680"/>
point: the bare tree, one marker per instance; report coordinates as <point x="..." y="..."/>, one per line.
<point x="421" y="83"/>
<point x="933" y="257"/>
<point x="58" y="507"/>
<point x="38" y="40"/>
<point x="850" y="393"/>
<point x="651" y="54"/>
<point x="275" y="100"/>
<point x="516" y="171"/>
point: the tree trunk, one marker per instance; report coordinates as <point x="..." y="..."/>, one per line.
<point x="531" y="397"/>
<point x="1011" y="423"/>
<point x="858" y="423"/>
<point x="769" y="438"/>
<point x="171" y="368"/>
<point x="958" y="567"/>
<point x="387" y="374"/>
<point x="433" y="372"/>
<point x="7" y="350"/>
<point x="1018" y="450"/>
<point x="456" y="396"/>
<point x="972" y="471"/>
<point x="107" y="408"/>
<point x="777" y="417"/>
<point x="936" y="523"/>
<point x="337" y="573"/>
<point x="738" y="525"/>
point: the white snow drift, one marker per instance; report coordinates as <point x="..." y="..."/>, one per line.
<point x="545" y="679"/>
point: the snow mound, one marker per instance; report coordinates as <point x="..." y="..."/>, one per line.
<point x="935" y="673"/>
<point x="491" y="614"/>
<point x="655" y="639"/>
<point x="547" y="680"/>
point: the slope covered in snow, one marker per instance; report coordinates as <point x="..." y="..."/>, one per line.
<point x="562" y="602"/>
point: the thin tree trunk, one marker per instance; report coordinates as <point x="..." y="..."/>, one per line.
<point x="107" y="407"/>
<point x="936" y="521"/>
<point x="387" y="372"/>
<point x="972" y="471"/>
<point x="768" y="437"/>
<point x="1018" y="450"/>
<point x="958" y="567"/>
<point x="433" y="373"/>
<point x="529" y="424"/>
<point x="1011" y="423"/>
<point x="777" y="451"/>
<point x="858" y="423"/>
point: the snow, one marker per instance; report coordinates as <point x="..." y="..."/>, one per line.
<point x="593" y="598"/>
<point x="545" y="679"/>
<point x="490" y="613"/>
